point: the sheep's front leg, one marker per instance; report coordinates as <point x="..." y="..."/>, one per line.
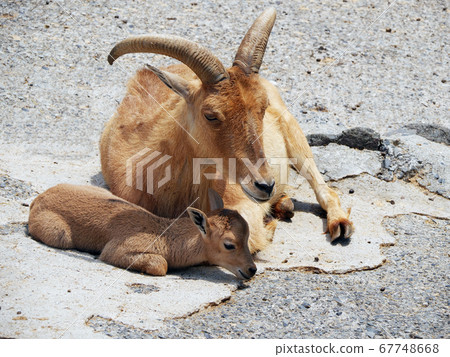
<point x="297" y="146"/>
<point x="131" y="253"/>
<point x="279" y="120"/>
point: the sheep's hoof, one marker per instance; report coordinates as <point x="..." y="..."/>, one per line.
<point x="283" y="209"/>
<point x="341" y="227"/>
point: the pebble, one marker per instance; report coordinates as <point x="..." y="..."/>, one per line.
<point x="305" y="305"/>
<point x="370" y="332"/>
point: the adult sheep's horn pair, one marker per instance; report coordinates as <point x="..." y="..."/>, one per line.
<point x="204" y="64"/>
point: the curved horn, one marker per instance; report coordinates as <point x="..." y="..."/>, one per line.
<point x="251" y="51"/>
<point x="204" y="64"/>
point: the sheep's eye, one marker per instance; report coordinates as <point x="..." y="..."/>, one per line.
<point x="210" y="117"/>
<point x="229" y="246"/>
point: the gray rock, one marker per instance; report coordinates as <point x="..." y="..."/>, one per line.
<point x="426" y="160"/>
<point x="432" y="132"/>
<point x="321" y="139"/>
<point x="360" y="138"/>
<point x="397" y="152"/>
<point x="371" y="332"/>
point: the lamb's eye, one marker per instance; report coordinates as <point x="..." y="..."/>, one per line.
<point x="229" y="246"/>
<point x="210" y="117"/>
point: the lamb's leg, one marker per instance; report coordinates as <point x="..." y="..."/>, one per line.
<point x="50" y="228"/>
<point x="131" y="253"/>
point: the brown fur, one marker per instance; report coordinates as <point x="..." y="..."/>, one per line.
<point x="253" y="122"/>
<point x="93" y="220"/>
<point x="283" y="209"/>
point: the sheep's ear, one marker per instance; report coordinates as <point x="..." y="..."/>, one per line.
<point x="199" y="219"/>
<point x="178" y="84"/>
<point x="215" y="201"/>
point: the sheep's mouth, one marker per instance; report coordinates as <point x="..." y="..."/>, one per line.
<point x="243" y="275"/>
<point x="255" y="196"/>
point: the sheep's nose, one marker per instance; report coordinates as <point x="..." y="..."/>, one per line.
<point x="252" y="271"/>
<point x="265" y="187"/>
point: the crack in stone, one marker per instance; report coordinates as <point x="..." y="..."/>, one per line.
<point x="203" y="308"/>
<point x="315" y="270"/>
<point x="398" y="160"/>
<point x="114" y="328"/>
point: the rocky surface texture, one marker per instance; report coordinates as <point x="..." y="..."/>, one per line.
<point x="368" y="82"/>
<point x="308" y="305"/>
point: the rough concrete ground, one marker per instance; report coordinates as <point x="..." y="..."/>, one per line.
<point x="339" y="65"/>
<point x="375" y="304"/>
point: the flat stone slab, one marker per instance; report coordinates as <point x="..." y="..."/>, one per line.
<point x="52" y="293"/>
<point x="49" y="293"/>
<point x="332" y="165"/>
<point x="302" y="244"/>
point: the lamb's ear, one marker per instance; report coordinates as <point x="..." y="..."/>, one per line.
<point x="199" y="219"/>
<point x="178" y="84"/>
<point x="215" y="201"/>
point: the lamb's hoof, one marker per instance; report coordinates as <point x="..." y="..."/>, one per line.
<point x="283" y="209"/>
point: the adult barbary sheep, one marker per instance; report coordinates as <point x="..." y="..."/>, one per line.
<point x="199" y="109"/>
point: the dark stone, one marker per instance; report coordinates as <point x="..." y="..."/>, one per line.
<point x="360" y="138"/>
<point x="432" y="132"/>
<point x="321" y="139"/>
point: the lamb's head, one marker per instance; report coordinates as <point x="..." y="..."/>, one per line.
<point x="225" y="234"/>
<point x="225" y="107"/>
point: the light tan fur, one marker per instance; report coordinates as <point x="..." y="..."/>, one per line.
<point x="92" y="219"/>
<point x="252" y="122"/>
